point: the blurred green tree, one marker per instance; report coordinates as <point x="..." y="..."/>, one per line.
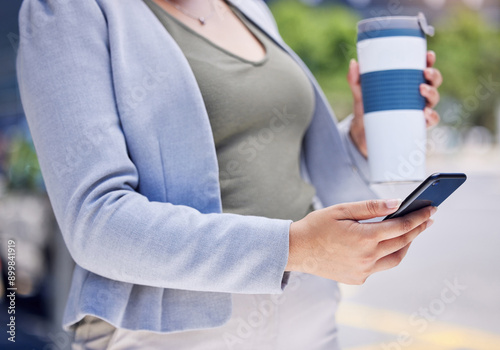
<point x="23" y="170"/>
<point x="468" y="55"/>
<point x="324" y="37"/>
<point x="467" y="48"/>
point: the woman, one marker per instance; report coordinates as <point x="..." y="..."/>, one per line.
<point x="183" y="145"/>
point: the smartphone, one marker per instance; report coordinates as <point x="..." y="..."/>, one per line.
<point x="433" y="191"/>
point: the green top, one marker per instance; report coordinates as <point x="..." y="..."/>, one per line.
<point x="259" y="112"/>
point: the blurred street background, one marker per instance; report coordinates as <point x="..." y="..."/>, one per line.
<point x="444" y="295"/>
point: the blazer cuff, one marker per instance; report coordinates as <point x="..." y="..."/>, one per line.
<point x="359" y="162"/>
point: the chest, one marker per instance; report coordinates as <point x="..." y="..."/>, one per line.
<point x="270" y="96"/>
<point x="216" y="21"/>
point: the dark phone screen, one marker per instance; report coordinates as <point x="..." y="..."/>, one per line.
<point x="433" y="191"/>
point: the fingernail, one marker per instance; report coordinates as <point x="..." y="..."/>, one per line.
<point x="352" y="62"/>
<point x="429" y="223"/>
<point x="433" y="210"/>
<point x="393" y="203"/>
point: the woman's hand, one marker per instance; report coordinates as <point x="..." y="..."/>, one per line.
<point x="331" y="243"/>
<point x="429" y="91"/>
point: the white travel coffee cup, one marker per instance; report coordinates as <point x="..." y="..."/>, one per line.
<point x="392" y="55"/>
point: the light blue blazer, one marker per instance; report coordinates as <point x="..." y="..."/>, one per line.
<point x="129" y="162"/>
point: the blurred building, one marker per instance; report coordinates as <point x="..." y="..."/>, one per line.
<point x="10" y="107"/>
<point x="11" y="114"/>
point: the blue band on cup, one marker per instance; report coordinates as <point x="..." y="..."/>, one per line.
<point x="382" y="33"/>
<point x="392" y="89"/>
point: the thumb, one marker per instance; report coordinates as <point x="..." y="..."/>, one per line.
<point x="367" y="209"/>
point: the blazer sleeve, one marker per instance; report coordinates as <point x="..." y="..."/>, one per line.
<point x="65" y="80"/>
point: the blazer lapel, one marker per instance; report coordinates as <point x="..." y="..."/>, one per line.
<point x="161" y="109"/>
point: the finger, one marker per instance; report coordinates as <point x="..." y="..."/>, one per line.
<point x="399" y="226"/>
<point x="366" y="209"/>
<point x="391" y="260"/>
<point x="430" y="93"/>
<point x="392" y="245"/>
<point x="431" y="58"/>
<point x="431" y="117"/>
<point x="433" y="76"/>
<point x="353" y="78"/>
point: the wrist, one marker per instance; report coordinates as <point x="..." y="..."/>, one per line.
<point x="357" y="135"/>
<point x="295" y="246"/>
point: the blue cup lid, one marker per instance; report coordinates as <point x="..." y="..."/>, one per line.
<point x="415" y="23"/>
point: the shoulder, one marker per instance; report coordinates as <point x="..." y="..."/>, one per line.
<point x="56" y="20"/>
<point x="40" y="10"/>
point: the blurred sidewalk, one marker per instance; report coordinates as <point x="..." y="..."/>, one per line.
<point x="445" y="295"/>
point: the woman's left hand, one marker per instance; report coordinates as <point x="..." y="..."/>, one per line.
<point x="429" y="91"/>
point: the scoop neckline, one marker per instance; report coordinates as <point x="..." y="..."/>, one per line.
<point x="218" y="47"/>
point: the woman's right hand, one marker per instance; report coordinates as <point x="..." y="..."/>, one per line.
<point x="332" y="243"/>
